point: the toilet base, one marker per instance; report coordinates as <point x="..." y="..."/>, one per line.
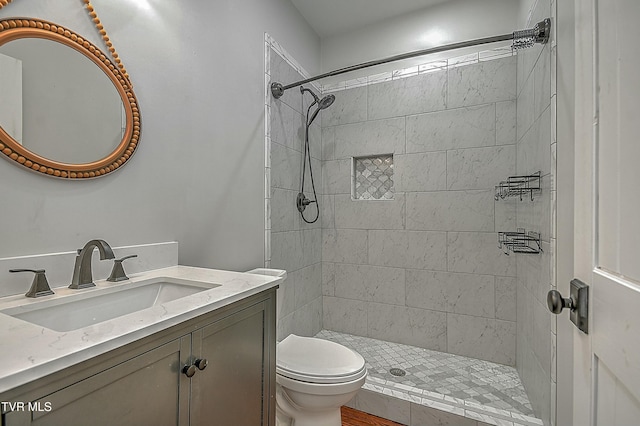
<point x="319" y="411"/>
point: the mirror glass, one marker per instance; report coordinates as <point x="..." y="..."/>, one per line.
<point x="68" y="110"/>
<point x="58" y="103"/>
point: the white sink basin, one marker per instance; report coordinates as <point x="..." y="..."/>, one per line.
<point x="92" y="307"/>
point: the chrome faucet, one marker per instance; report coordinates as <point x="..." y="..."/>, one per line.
<point x="82" y="276"/>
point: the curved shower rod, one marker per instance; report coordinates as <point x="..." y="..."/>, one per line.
<point x="521" y="40"/>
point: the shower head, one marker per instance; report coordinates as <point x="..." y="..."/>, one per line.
<point x="323" y="103"/>
<point x="326" y="102"/>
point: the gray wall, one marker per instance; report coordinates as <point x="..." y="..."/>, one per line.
<point x="536" y="151"/>
<point x="295" y="245"/>
<point x="447" y="22"/>
<point x="197" y="177"/>
<point x="424" y="269"/>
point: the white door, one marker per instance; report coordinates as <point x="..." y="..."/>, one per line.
<point x="607" y="206"/>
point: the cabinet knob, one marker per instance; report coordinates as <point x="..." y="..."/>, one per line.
<point x="189" y="370"/>
<point x="201" y="363"/>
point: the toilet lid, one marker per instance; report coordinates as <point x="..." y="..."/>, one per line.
<point x="317" y="361"/>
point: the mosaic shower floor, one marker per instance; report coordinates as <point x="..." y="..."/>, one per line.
<point x="453" y="378"/>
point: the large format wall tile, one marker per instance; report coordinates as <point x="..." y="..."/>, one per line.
<point x="452" y="129"/>
<point x="370" y="283"/>
<point x="284" y="120"/>
<point x="311" y="244"/>
<point x="506" y="129"/>
<point x="284" y="73"/>
<point x="285" y="167"/>
<point x="328" y="278"/>
<point x="413" y="95"/>
<point x="506" y="298"/>
<point x="450" y="211"/>
<point x="370" y="138"/>
<point x="327" y="212"/>
<point x="328" y="136"/>
<point x="286" y="250"/>
<point x="506" y="214"/>
<point x="481" y="83"/>
<point x="285" y="295"/>
<point x="306" y="286"/>
<point x="525" y="111"/>
<point x="469" y="294"/>
<point x="408" y="249"/>
<point x="542" y="81"/>
<point x="350" y="106"/>
<point x="315" y="138"/>
<point x="480" y="168"/>
<point x="411" y="326"/>
<point x="345" y="315"/>
<point x="336" y="177"/>
<point x="365" y="214"/>
<point x="344" y="245"/>
<point x="478" y="252"/>
<point x="426" y="171"/>
<point x="282" y="209"/>
<point x="482" y="338"/>
<point x="534" y="149"/>
<point x="307" y="321"/>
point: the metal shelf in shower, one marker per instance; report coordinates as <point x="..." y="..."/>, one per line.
<point x="520" y="241"/>
<point x="519" y="186"/>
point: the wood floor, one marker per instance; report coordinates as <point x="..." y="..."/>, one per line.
<point x="351" y="417"/>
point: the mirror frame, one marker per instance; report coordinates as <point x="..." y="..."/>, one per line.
<point x="19" y="28"/>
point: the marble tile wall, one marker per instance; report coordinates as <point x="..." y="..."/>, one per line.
<point x="535" y="151"/>
<point x="424" y="268"/>
<point x="290" y="243"/>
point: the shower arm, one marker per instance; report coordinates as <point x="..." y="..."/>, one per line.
<point x="521" y="39"/>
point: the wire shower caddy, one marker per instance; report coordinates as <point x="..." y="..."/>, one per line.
<point x="518" y="186"/>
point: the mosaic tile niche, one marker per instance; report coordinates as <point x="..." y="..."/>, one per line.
<point x="373" y="178"/>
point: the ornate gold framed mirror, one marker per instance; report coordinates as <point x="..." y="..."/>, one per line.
<point x="97" y="148"/>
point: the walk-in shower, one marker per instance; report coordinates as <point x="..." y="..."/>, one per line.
<point x="416" y="282"/>
<point x="301" y="200"/>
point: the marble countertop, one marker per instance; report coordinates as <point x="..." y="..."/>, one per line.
<point x="30" y="351"/>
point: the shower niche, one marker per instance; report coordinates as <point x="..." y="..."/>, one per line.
<point x="372" y="178"/>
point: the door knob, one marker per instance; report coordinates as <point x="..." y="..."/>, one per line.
<point x="578" y="304"/>
<point x="557" y="303"/>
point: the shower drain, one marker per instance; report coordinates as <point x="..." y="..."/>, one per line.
<point x="397" y="372"/>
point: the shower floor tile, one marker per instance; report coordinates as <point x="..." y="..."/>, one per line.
<point x="468" y="381"/>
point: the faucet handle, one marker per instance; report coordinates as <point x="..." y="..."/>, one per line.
<point x="117" y="273"/>
<point x="39" y="286"/>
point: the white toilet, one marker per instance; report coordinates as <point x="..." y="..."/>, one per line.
<point x="314" y="378"/>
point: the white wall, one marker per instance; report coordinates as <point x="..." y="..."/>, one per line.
<point x="450" y="22"/>
<point x="197" y="177"/>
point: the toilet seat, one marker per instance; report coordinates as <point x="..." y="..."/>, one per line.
<point x="312" y="360"/>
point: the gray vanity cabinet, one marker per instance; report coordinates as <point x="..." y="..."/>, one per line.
<point x="229" y="390"/>
<point x="235" y="385"/>
<point x="145" y="390"/>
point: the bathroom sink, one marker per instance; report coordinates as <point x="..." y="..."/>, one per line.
<point x="85" y="309"/>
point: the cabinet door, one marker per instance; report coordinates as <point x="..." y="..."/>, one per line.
<point x="149" y="389"/>
<point x="231" y="390"/>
